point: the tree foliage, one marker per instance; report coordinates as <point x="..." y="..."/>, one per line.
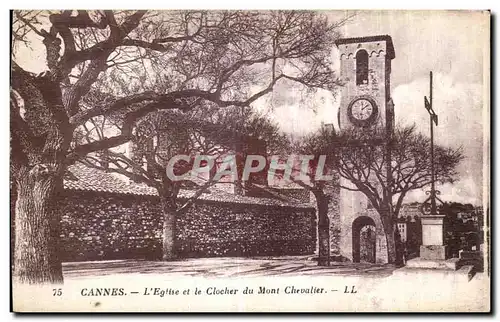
<point x="120" y="66"/>
<point x="202" y="131"/>
<point x="366" y="166"/>
<point x="361" y="159"/>
<point x="132" y="63"/>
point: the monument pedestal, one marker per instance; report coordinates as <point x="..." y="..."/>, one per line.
<point x="433" y="259"/>
<point x="433" y="252"/>
<point x="432" y="238"/>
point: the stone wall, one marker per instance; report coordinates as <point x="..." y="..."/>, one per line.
<point x="98" y="226"/>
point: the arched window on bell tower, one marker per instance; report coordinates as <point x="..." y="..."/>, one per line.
<point x="361" y="67"/>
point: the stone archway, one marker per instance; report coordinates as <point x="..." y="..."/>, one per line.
<point x="364" y="240"/>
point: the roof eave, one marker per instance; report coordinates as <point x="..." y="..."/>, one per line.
<point x="390" y="47"/>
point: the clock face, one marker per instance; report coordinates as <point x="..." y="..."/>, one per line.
<point x="362" y="111"/>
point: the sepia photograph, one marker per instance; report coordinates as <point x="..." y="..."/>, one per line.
<point x="250" y="161"/>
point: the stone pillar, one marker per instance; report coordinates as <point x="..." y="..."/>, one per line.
<point x="433" y="238"/>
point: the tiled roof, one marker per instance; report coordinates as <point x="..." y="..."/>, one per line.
<point x="285" y="184"/>
<point x="83" y="178"/>
<point x="88" y="179"/>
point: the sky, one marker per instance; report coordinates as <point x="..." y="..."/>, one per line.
<point x="455" y="47"/>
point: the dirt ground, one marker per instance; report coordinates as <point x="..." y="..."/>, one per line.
<point x="226" y="267"/>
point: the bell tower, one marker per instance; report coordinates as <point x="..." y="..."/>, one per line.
<point x="367" y="109"/>
<point x="365" y="71"/>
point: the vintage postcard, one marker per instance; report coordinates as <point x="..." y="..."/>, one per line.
<point x="250" y="161"/>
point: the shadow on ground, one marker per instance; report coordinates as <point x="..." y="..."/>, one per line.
<point x="226" y="267"/>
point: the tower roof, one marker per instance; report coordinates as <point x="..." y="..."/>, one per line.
<point x="386" y="38"/>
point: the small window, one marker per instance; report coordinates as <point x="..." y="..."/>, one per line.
<point x="362" y="67"/>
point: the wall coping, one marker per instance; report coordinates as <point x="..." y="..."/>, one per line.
<point x="206" y="198"/>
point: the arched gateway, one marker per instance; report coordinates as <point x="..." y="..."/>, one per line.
<point x="364" y="240"/>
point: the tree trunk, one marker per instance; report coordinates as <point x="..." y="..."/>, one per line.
<point x="323" y="229"/>
<point x="169" y="229"/>
<point x="394" y="246"/>
<point x="37" y="222"/>
<point x="40" y="139"/>
<point x="391" y="244"/>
